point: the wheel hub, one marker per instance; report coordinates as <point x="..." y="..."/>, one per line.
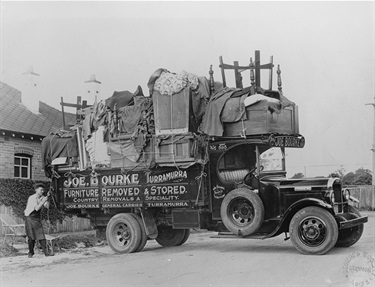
<point x="125" y="234"/>
<point x="122" y="234"/>
<point x="312" y="231"/>
<point x="242" y="212"/>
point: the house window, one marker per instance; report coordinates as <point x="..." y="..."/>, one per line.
<point x="22" y="166"/>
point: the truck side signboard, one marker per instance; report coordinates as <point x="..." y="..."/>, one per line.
<point x="133" y="189"/>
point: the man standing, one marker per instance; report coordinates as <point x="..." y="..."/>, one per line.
<point x="33" y="223"/>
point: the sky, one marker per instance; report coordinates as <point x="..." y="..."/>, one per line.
<point x="325" y="51"/>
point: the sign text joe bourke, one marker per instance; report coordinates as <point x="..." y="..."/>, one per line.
<point x="286" y="141"/>
<point x="154" y="189"/>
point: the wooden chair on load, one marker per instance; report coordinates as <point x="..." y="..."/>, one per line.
<point x="253" y="66"/>
<point x="11" y="229"/>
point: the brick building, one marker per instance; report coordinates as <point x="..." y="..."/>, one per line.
<point x="24" y="122"/>
<point x="21" y="134"/>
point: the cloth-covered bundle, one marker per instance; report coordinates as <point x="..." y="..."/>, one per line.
<point x="167" y="83"/>
<point x="127" y="149"/>
<point x="130" y="116"/>
<point x="229" y="105"/>
<point x="58" y="145"/>
<point x="97" y="148"/>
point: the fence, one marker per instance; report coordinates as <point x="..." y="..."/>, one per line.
<point x="73" y="224"/>
<point x="365" y="194"/>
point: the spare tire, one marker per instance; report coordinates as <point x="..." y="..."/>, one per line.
<point x="242" y="211"/>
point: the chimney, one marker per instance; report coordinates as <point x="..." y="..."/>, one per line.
<point x="92" y="89"/>
<point x="30" y="90"/>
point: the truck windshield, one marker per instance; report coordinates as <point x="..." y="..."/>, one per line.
<point x="272" y="160"/>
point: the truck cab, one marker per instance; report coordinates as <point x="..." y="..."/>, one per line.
<point x="251" y="197"/>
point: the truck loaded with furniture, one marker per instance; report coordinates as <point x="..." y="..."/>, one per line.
<point x="196" y="154"/>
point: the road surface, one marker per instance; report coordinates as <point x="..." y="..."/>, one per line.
<point x="202" y="261"/>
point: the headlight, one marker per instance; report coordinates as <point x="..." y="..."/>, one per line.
<point x="332" y="197"/>
<point x="346" y="194"/>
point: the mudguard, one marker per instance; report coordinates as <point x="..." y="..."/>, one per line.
<point x="283" y="225"/>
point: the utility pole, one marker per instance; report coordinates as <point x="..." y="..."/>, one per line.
<point x="373" y="146"/>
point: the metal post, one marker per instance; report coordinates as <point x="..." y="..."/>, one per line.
<point x="373" y="145"/>
<point x="62" y="109"/>
<point x="270" y="77"/>
<point x="257" y="68"/>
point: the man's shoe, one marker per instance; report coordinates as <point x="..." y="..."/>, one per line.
<point x="48" y="254"/>
<point x="30" y="255"/>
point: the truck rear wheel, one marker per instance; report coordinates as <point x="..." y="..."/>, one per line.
<point x="167" y="236"/>
<point x="313" y="230"/>
<point x="143" y="241"/>
<point x="185" y="238"/>
<point x="242" y="211"/>
<point x="123" y="233"/>
<point x="349" y="236"/>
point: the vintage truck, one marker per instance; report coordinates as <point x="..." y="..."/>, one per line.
<point x="181" y="169"/>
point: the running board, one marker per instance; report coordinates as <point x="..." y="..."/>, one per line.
<point x="230" y="235"/>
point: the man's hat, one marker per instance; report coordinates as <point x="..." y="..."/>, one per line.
<point x="37" y="185"/>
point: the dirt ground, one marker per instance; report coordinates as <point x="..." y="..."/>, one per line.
<point x="201" y="261"/>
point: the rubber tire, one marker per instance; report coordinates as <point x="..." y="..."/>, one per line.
<point x="350" y="236"/>
<point x="128" y="220"/>
<point x="143" y="242"/>
<point x="322" y="215"/>
<point x="167" y="236"/>
<point x="227" y="218"/>
<point x="185" y="238"/>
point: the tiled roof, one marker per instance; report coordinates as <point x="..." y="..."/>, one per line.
<point x="54" y="117"/>
<point x="14" y="116"/>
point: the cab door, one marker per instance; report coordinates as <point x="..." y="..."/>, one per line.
<point x="271" y="166"/>
<point x="229" y="164"/>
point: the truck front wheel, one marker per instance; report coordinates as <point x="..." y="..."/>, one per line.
<point x="242" y="211"/>
<point x="349" y="236"/>
<point x="123" y="233"/>
<point x="313" y="230"/>
<point x="167" y="236"/>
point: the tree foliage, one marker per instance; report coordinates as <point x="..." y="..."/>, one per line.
<point x="298" y="175"/>
<point x="361" y="176"/>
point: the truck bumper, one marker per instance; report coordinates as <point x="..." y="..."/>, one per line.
<point x="348" y="223"/>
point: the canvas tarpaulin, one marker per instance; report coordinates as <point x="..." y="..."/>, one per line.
<point x="54" y="146"/>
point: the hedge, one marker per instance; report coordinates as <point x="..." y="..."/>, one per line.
<point x="14" y="193"/>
